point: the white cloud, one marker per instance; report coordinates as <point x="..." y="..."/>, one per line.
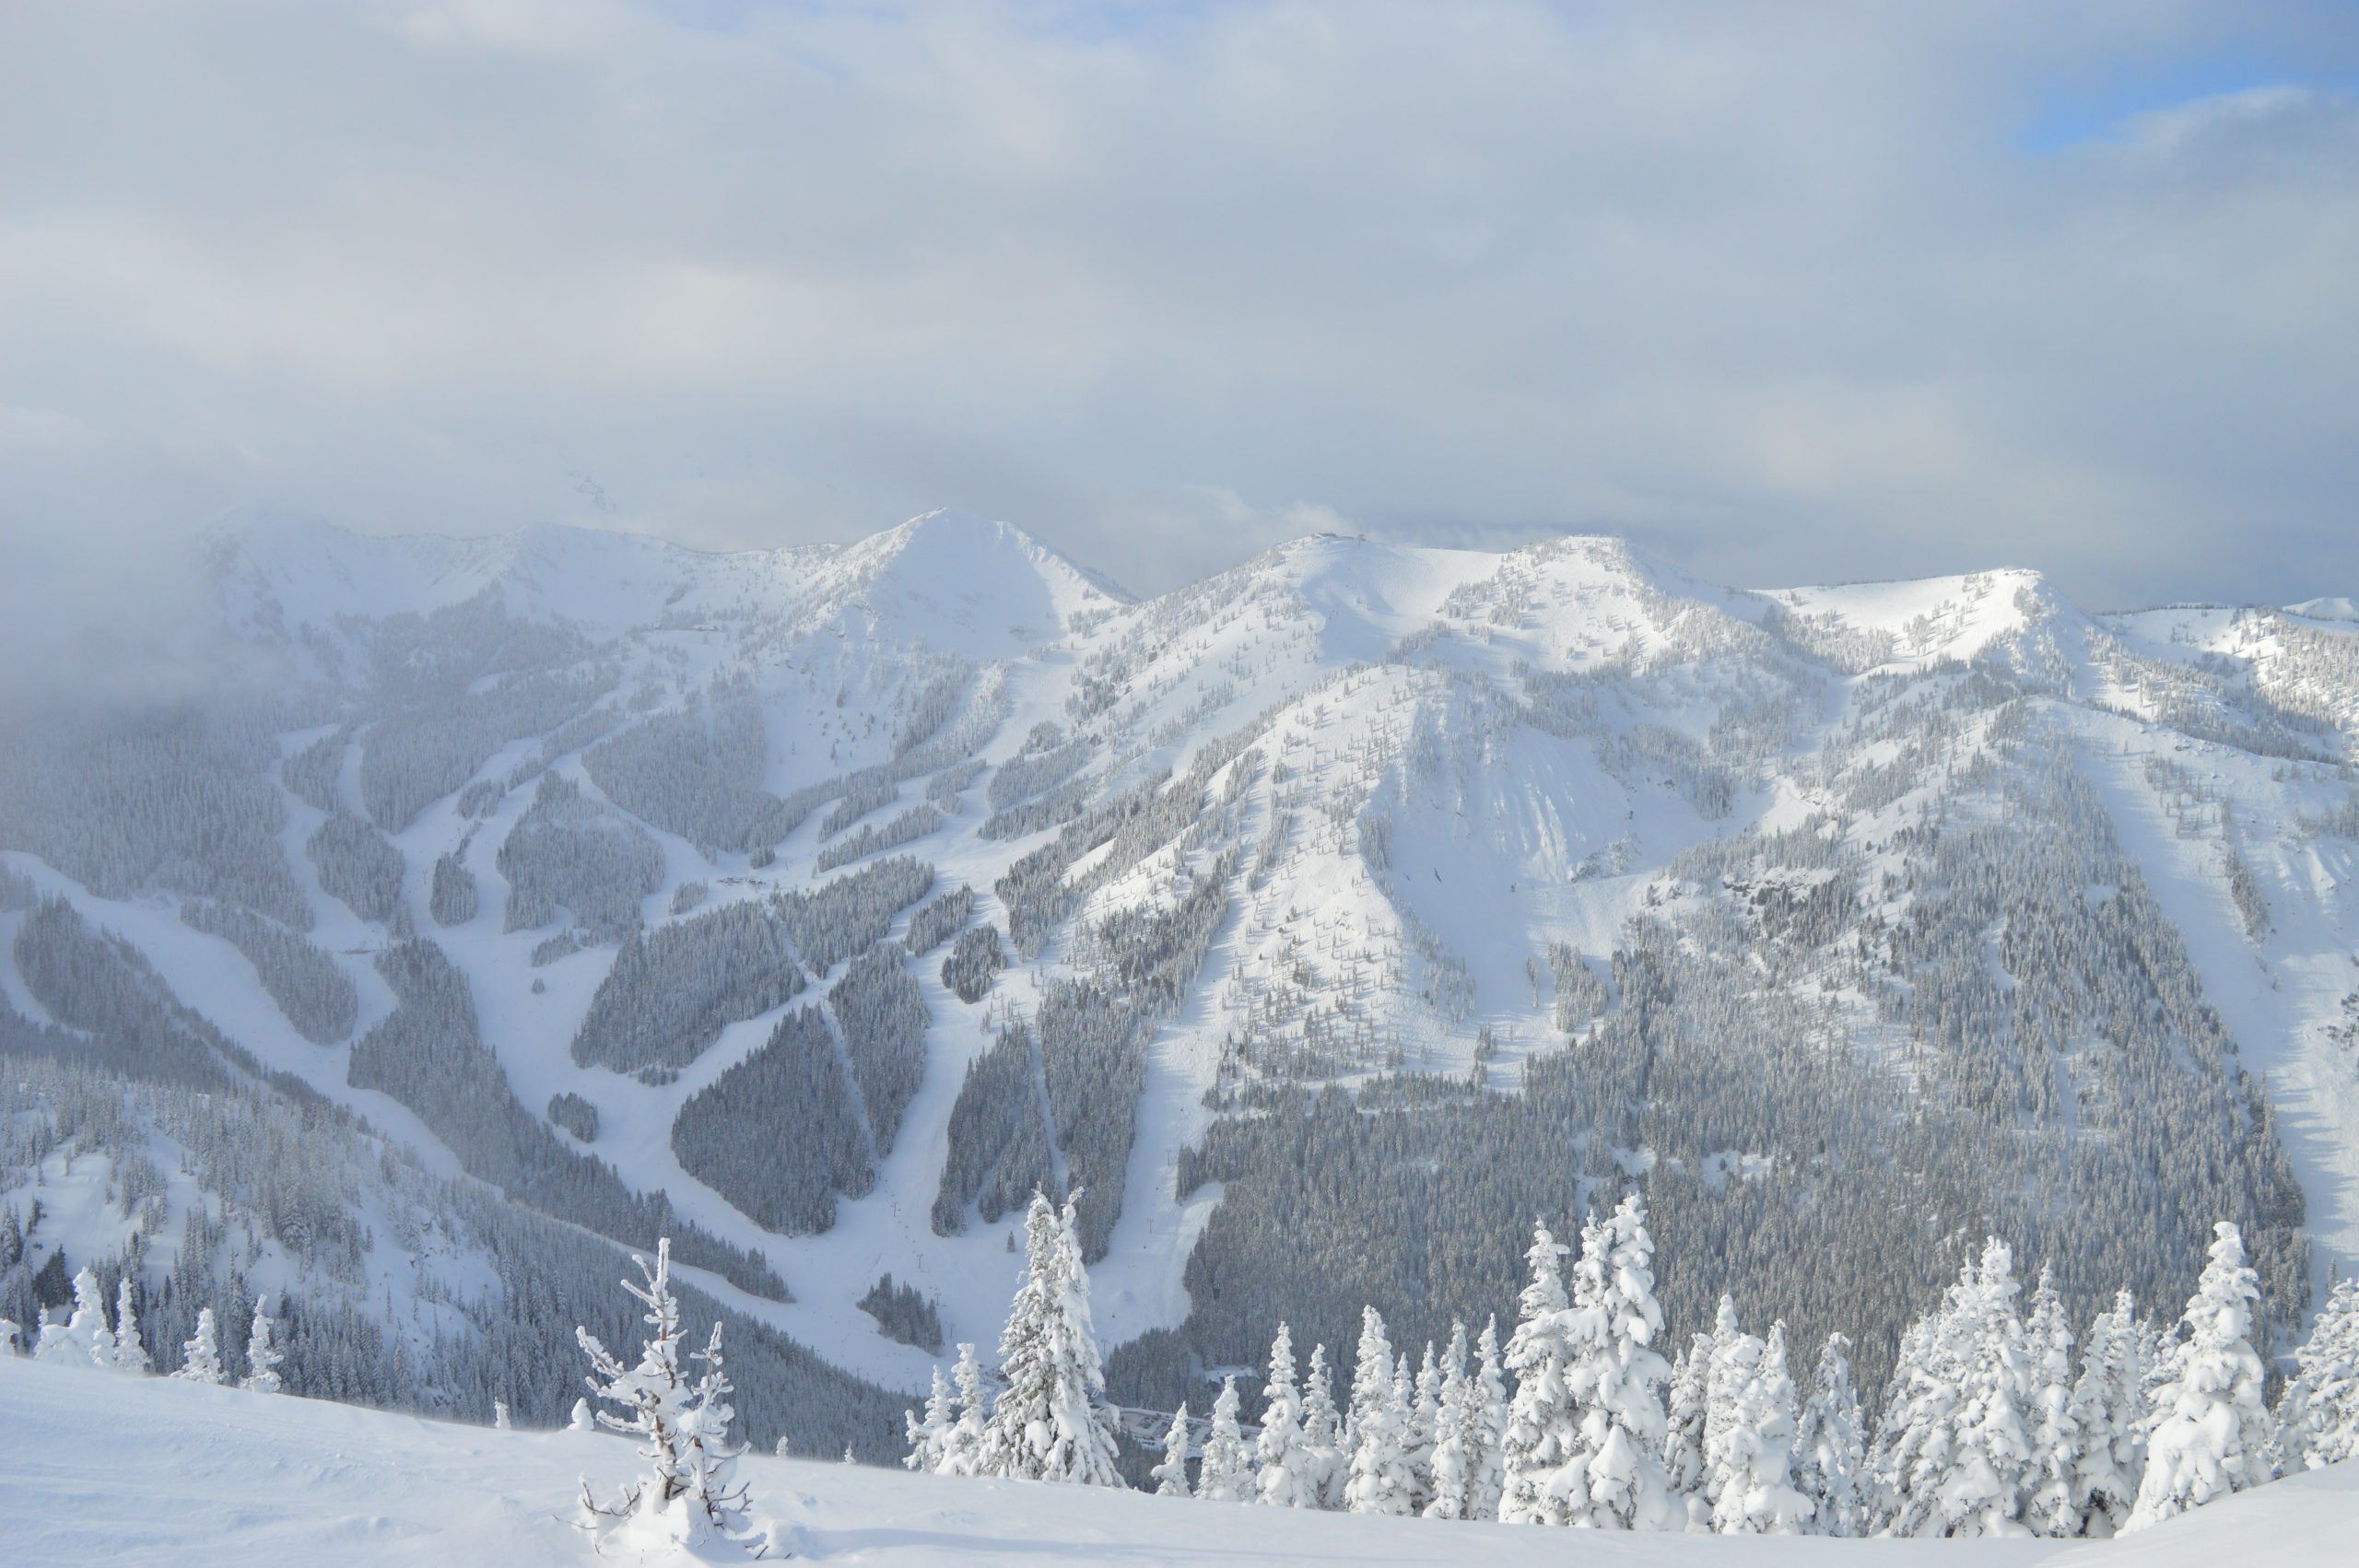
<point x="1774" y="289"/>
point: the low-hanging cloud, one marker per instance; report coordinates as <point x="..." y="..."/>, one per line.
<point x="1787" y="291"/>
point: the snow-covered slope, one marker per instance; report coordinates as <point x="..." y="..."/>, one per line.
<point x="110" y="1468"/>
<point x="1801" y="906"/>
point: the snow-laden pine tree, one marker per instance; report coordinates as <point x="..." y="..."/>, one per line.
<point x="2050" y="1504"/>
<point x="130" y="1349"/>
<point x="2210" y="1434"/>
<point x="263" y="1355"/>
<point x="1486" y="1415"/>
<point x="962" y="1446"/>
<point x="1830" y="1445"/>
<point x="87" y="1329"/>
<point x="1990" y="1456"/>
<point x="1450" y="1469"/>
<point x="1683" y="1446"/>
<point x="201" y="1356"/>
<point x="1752" y="1457"/>
<point x="928" y="1432"/>
<point x="1285" y="1474"/>
<point x="1322" y="1435"/>
<point x="1911" y="1455"/>
<point x="1050" y="1421"/>
<point x="1734" y="1362"/>
<point x="1614" y="1480"/>
<point x="1225" y="1468"/>
<point x="1379" y="1479"/>
<point x="1425" y="1416"/>
<point x="684" y="1498"/>
<point x="709" y="1492"/>
<point x="1170" y="1472"/>
<point x="1542" y="1419"/>
<point x="2109" y="1406"/>
<point x="1371" y="1382"/>
<point x="2322" y="1404"/>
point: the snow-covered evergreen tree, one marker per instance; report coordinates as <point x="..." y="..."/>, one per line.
<point x="263" y="1355"/>
<point x="1425" y="1415"/>
<point x="55" y="1344"/>
<point x="1323" y="1437"/>
<point x="962" y="1446"/>
<point x="685" y="1497"/>
<point x="929" y="1431"/>
<point x="1830" y="1445"/>
<point x="1734" y="1362"/>
<point x="88" y="1327"/>
<point x="1049" y="1421"/>
<point x="201" y="1356"/>
<point x="1486" y="1415"/>
<point x="710" y="1495"/>
<point x="1224" y="1469"/>
<point x="1913" y="1444"/>
<point x="2322" y="1404"/>
<point x="1452" y="1429"/>
<point x="1752" y="1456"/>
<point x="1990" y="1461"/>
<point x="1170" y="1472"/>
<point x="130" y="1349"/>
<point x="2050" y="1507"/>
<point x="2212" y="1434"/>
<point x="2109" y="1406"/>
<point x="1615" y="1478"/>
<point x="1379" y="1480"/>
<point x="1541" y="1420"/>
<point x="1683" y="1448"/>
<point x="1285" y="1472"/>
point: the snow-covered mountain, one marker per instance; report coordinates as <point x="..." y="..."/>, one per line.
<point x="1322" y="921"/>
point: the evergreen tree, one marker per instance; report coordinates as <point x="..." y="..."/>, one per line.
<point x="1615" y="1480"/>
<point x="2322" y="1404"/>
<point x="88" y="1327"/>
<point x="263" y="1355"/>
<point x="1050" y="1421"/>
<point x="2109" y="1405"/>
<point x="1830" y="1441"/>
<point x="2211" y="1434"/>
<point x="1225" y="1471"/>
<point x="1453" y="1428"/>
<point x="1170" y="1473"/>
<point x="1322" y="1438"/>
<point x="1425" y="1415"/>
<point x="684" y="1498"/>
<point x="1751" y="1454"/>
<point x="1285" y="1473"/>
<point x="930" y="1432"/>
<point x="1914" y="1442"/>
<point x="2050" y="1506"/>
<point x="1541" y="1428"/>
<point x="130" y="1350"/>
<point x="1486" y="1414"/>
<point x="1734" y="1362"/>
<point x="201" y="1357"/>
<point x="1982" y="1491"/>
<point x="1379" y="1479"/>
<point x="962" y="1446"/>
<point x="1682" y="1449"/>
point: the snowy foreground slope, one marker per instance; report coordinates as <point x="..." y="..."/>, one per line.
<point x="510" y="901"/>
<point x="119" y="1470"/>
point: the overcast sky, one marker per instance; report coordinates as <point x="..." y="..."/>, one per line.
<point x="1783" y="292"/>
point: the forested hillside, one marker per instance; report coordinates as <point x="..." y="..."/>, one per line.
<point x="1317" y="926"/>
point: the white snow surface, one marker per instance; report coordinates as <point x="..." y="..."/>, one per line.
<point x="108" y="1467"/>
